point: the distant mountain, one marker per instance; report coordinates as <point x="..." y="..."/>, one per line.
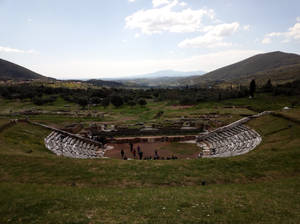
<point x="11" y="71"/>
<point x="153" y="82"/>
<point x="158" y="79"/>
<point x="165" y="73"/>
<point x="275" y="65"/>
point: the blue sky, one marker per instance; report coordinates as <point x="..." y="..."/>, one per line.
<point x="116" y="38"/>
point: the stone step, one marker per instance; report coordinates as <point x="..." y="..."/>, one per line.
<point x="72" y="147"/>
<point x="230" y="142"/>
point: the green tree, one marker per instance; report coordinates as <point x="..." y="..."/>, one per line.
<point x="95" y="100"/>
<point x="105" y="102"/>
<point x="142" y="102"/>
<point x="117" y="101"/>
<point x="83" y="102"/>
<point x="131" y="103"/>
<point x="268" y="87"/>
<point x="252" y="88"/>
<point x="220" y="96"/>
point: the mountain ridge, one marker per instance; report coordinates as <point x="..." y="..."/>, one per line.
<point x="277" y="66"/>
<point x="257" y="66"/>
<point x="157" y="75"/>
<point x="12" y="71"/>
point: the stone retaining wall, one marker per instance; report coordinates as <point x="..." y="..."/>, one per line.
<point x="152" y="139"/>
<point x="140" y="132"/>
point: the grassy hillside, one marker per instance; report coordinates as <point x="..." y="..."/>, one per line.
<point x="278" y="75"/>
<point x="11" y="71"/>
<point x="258" y="187"/>
<point x="275" y="65"/>
<point x="14" y="72"/>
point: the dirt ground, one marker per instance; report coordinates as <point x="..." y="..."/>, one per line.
<point x="148" y="150"/>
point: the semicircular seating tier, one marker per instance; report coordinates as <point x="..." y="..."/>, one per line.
<point x="68" y="146"/>
<point x="229" y="141"/>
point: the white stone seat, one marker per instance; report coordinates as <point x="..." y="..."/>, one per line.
<point x="230" y="141"/>
<point x="63" y="145"/>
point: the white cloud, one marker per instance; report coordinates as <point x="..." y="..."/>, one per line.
<point x="214" y="36"/>
<point x="14" y="50"/>
<point x="122" y="68"/>
<point x="158" y="20"/>
<point x="274" y="34"/>
<point x="293" y="33"/>
<point x="168" y="18"/>
<point x="298" y="19"/>
<point x="183" y="4"/>
<point x="285" y="41"/>
<point x="157" y="3"/>
<point x="207" y="40"/>
<point x="266" y="40"/>
<point x="246" y="27"/>
<point x="225" y="29"/>
<point x="131" y="0"/>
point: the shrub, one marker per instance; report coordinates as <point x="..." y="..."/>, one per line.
<point x="37" y="100"/>
<point x="105" y="102"/>
<point x="131" y="103"/>
<point x="82" y="101"/>
<point x="188" y="101"/>
<point x="95" y="100"/>
<point x="142" y="102"/>
<point x="117" y="101"/>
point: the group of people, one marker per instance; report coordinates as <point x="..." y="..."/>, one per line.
<point x="139" y="153"/>
<point x="161" y="158"/>
<point x="134" y="152"/>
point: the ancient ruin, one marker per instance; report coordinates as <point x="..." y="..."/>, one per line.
<point x="230" y="140"/>
<point x="64" y="145"/>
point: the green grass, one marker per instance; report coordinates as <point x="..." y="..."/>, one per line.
<point x="22" y="139"/>
<point x="259" y="187"/>
<point x="130" y="115"/>
<point x="7" y="106"/>
<point x="264" y="102"/>
<point x="272" y="202"/>
<point x="277" y="157"/>
<point x="3" y="121"/>
<point x="291" y="114"/>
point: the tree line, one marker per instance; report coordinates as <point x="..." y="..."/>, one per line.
<point x="41" y="94"/>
